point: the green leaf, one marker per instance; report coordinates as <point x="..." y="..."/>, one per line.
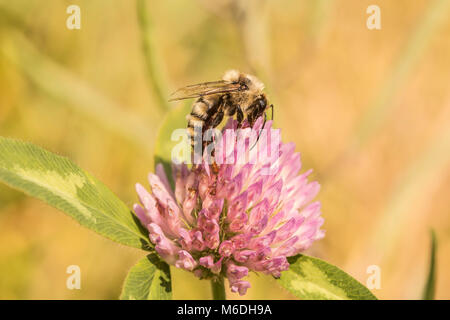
<point x="149" y="279"/>
<point x="313" y="279"/>
<point x="428" y="293"/>
<point x="60" y="183"/>
<point x="174" y="119"/>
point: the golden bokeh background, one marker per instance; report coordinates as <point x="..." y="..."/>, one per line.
<point x="369" y="110"/>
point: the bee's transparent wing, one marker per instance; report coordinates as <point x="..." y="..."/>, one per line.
<point x="204" y="89"/>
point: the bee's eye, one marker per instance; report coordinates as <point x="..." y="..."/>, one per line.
<point x="262" y="104"/>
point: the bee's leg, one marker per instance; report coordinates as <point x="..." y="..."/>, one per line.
<point x="217" y="119"/>
<point x="214" y="121"/>
<point x="231" y="110"/>
<point x="239" y="115"/>
<point x="271" y="107"/>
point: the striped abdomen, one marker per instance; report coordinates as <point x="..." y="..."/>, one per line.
<point x="203" y="111"/>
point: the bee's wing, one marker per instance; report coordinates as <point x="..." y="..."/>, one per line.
<point x="204" y="89"/>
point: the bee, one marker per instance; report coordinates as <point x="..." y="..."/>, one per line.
<point x="237" y="94"/>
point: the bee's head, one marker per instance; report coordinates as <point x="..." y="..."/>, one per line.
<point x="249" y="82"/>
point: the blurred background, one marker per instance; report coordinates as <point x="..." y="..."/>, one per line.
<point x="369" y="110"/>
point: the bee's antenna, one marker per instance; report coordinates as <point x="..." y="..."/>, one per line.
<point x="259" y="134"/>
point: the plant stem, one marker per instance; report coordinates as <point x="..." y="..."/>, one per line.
<point x="152" y="60"/>
<point x="429" y="290"/>
<point x="218" y="289"/>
